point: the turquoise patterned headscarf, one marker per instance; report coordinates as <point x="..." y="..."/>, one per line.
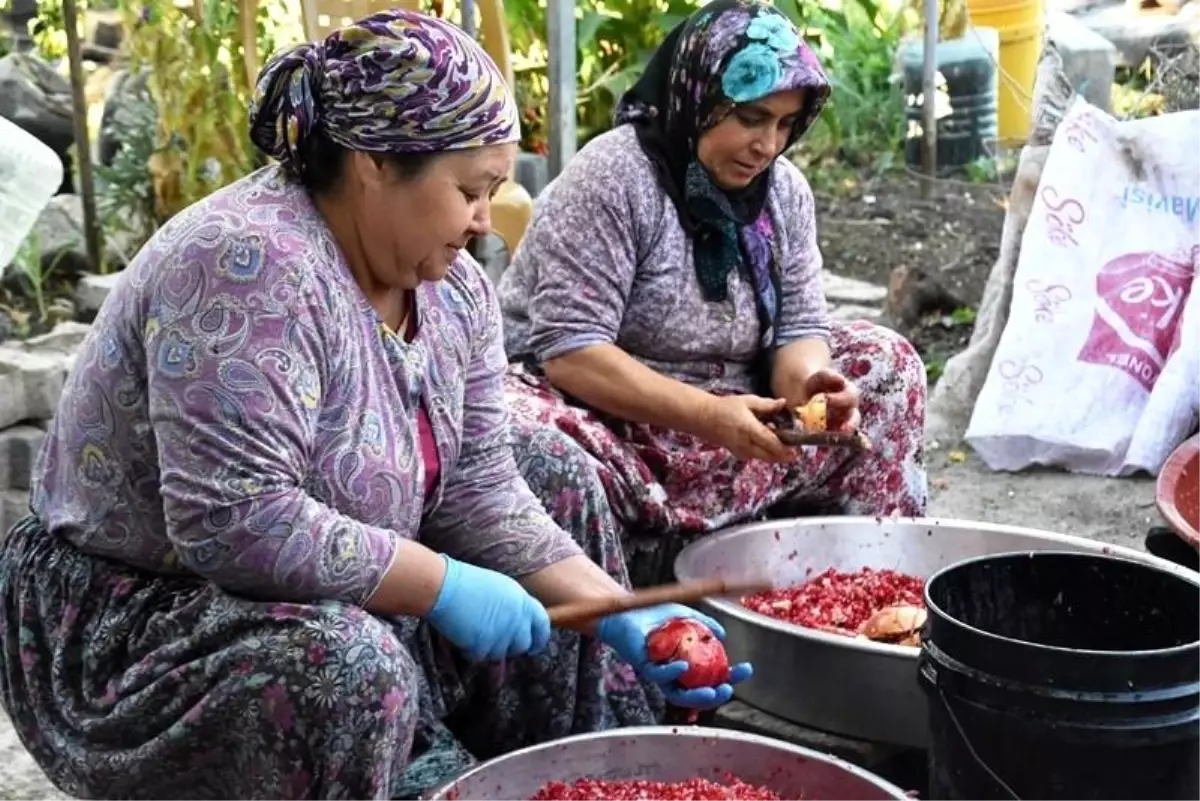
<point x="397" y="82"/>
<point x="726" y="53"/>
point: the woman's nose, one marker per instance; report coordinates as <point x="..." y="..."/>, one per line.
<point x="776" y="140"/>
<point x="481" y="222"/>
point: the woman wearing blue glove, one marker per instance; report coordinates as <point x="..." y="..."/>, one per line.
<point x="279" y="544"/>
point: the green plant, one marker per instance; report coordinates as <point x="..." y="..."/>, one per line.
<point x="934" y="367"/>
<point x="863" y="125"/>
<point x="125" y="199"/>
<point x="6" y="35"/>
<point x="194" y="58"/>
<point x="614" y="41"/>
<point x="981" y="171"/>
<point x="33" y="274"/>
<point x="48" y="31"/>
<point x="1132" y="95"/>
<point x="963" y="315"/>
<point x="188" y="61"/>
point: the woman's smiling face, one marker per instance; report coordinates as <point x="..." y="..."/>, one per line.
<point x="751" y="136"/>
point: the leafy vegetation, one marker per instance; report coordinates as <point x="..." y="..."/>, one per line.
<point x="615" y="38"/>
<point x="188" y="135"/>
<point x="614" y="41"/>
<point x="194" y="61"/>
<point x="864" y="123"/>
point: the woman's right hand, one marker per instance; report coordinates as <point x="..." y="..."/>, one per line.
<point x="735" y="422"/>
<point x="487" y="614"/>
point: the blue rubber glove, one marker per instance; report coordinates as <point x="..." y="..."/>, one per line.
<point x="487" y="614"/>
<point x="626" y="634"/>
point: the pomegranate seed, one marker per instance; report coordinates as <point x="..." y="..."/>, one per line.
<point x="734" y="789"/>
<point x="841" y="602"/>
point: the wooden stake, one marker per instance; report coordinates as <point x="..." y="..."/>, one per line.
<point x="929" y="104"/>
<point x="83" y="145"/>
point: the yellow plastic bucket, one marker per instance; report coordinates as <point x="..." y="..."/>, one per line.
<point x="1021" y="24"/>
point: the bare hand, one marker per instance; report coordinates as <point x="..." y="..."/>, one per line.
<point x="735" y="422"/>
<point x="841" y="399"/>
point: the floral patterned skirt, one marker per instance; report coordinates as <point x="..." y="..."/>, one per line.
<point x="657" y="489"/>
<point x="123" y="684"/>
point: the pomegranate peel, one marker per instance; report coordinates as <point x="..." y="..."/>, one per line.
<point x="900" y="624"/>
<point x="687" y="640"/>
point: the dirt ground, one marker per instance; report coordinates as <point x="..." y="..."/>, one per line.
<point x="880" y="224"/>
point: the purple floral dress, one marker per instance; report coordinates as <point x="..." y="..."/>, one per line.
<point x="606" y="260"/>
<point x="636" y="245"/>
<point x="232" y="464"/>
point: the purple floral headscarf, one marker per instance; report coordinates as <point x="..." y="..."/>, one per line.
<point x="728" y="52"/>
<point x="396" y="82"/>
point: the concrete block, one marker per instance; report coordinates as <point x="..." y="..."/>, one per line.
<point x="19" y="448"/>
<point x="30" y="384"/>
<point x="1089" y="60"/>
<point x="92" y="290"/>
<point x="64" y="338"/>
<point x="851" y="312"/>
<point x="840" y="289"/>
<point x="12" y="395"/>
<point x="1140" y="36"/>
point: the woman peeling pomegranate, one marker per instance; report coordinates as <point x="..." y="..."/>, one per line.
<point x="666" y="302"/>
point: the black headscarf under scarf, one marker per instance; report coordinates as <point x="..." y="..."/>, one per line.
<point x="726" y="53"/>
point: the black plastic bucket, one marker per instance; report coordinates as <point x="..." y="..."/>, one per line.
<point x="1062" y="675"/>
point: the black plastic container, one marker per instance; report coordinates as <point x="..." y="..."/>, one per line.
<point x="1062" y="675"/>
<point x="972" y="88"/>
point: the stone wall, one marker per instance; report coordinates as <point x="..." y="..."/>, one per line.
<point x="32" y="374"/>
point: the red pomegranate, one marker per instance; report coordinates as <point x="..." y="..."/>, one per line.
<point x="694" y="643"/>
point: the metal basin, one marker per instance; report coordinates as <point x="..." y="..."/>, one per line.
<point x="838" y="684"/>
<point x="670" y="754"/>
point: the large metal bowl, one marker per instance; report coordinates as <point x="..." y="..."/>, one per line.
<point x="670" y="754"/>
<point x="840" y="684"/>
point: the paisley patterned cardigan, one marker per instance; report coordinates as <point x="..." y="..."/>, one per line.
<point x="240" y="412"/>
<point x="607" y="261"/>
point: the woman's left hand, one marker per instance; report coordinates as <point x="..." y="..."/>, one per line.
<point x="626" y="633"/>
<point x="841" y="398"/>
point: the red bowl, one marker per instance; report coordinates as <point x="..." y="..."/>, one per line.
<point x="1178" y="491"/>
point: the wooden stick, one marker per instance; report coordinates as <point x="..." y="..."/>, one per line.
<point x="580" y="613"/>
<point x="83" y="144"/>
<point x="856" y="440"/>
<point x="929" y="125"/>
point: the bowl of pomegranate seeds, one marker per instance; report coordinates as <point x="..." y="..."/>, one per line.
<point x="835" y="643"/>
<point x="667" y="763"/>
